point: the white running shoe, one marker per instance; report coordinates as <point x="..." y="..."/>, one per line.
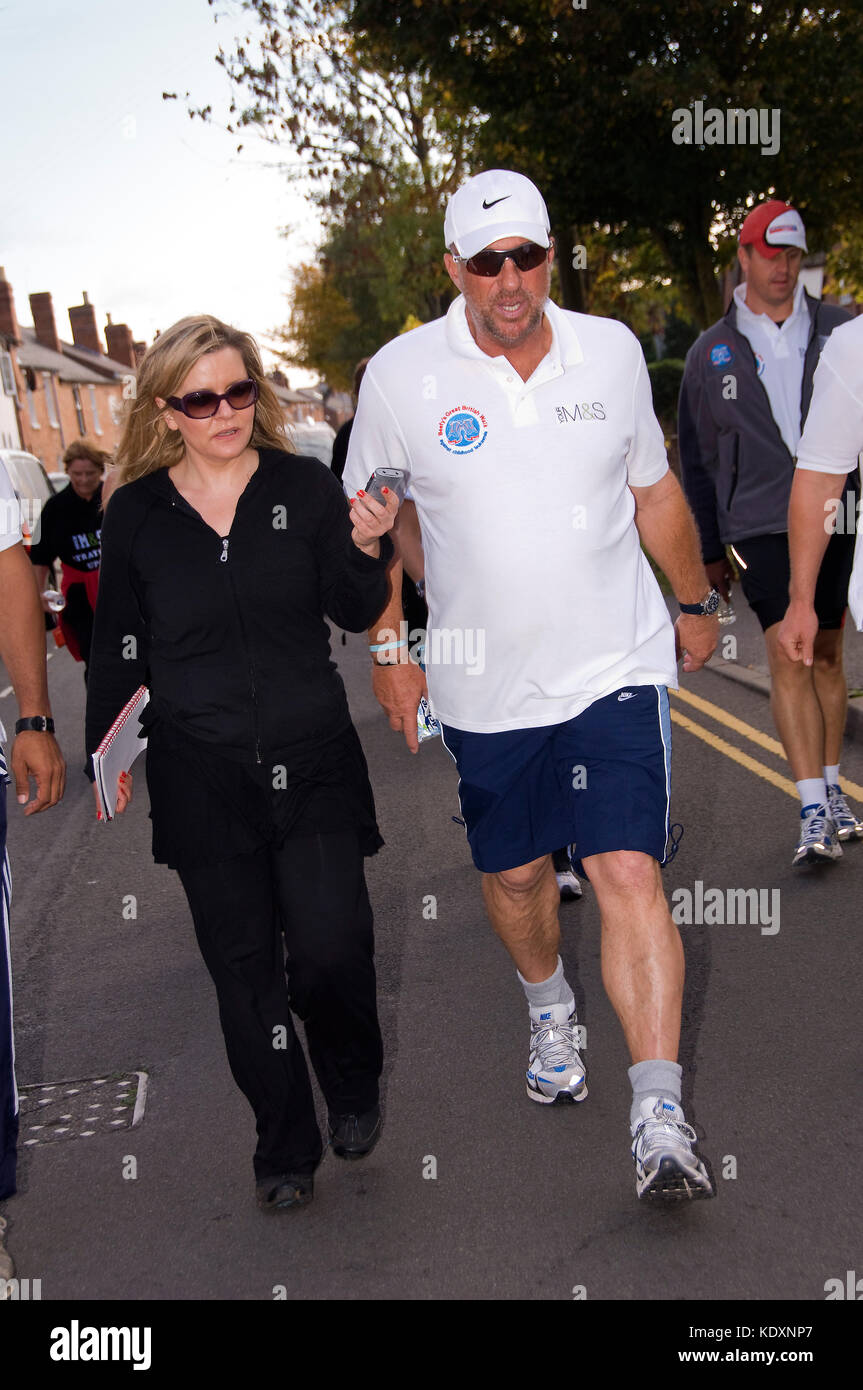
<point x="568" y="885"/>
<point x="666" y="1169"/>
<point x="848" y="825"/>
<point x="819" y="842"/>
<point x="555" y="1072"/>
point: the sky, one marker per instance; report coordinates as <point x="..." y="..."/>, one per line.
<point x="107" y="188"/>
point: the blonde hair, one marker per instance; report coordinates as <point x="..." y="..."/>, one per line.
<point x="147" y="443"/>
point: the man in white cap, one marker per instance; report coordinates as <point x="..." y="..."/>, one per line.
<point x="536" y="467"/>
<point x="743" y="403"/>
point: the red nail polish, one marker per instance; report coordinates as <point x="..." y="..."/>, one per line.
<point x="385" y="490"/>
<point x="98" y="815"/>
<point x="360" y="493"/>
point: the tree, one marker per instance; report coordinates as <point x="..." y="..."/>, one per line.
<point x="585" y="102"/>
<point x="380" y="266"/>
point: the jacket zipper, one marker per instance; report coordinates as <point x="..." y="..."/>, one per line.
<point x="223" y="558"/>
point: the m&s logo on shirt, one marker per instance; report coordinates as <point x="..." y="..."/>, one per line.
<point x="586" y="410"/>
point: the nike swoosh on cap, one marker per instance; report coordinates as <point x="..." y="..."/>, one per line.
<point x="495" y="201"/>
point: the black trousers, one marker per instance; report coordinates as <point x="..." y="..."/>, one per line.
<point x="310" y="897"/>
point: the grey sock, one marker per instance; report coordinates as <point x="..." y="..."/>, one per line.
<point x="655" y="1077"/>
<point x="554" y="990"/>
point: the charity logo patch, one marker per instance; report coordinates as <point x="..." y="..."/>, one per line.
<point x="760" y="364"/>
<point x="462" y="430"/>
<point x="721" y="355"/>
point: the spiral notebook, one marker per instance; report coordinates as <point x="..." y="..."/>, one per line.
<point x="118" y="750"/>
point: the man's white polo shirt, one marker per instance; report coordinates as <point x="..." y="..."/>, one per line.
<point x="780" y="353"/>
<point x="10" y="512"/>
<point x="833" y="437"/>
<point x="540" y="598"/>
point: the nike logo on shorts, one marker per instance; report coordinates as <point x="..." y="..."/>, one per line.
<point x="626" y="695"/>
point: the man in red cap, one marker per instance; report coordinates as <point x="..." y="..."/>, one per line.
<point x="743" y="403"/>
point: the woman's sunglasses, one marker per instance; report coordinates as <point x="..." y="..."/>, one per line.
<point x="490" y="263"/>
<point x="200" y="405"/>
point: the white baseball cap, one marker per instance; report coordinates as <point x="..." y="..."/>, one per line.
<point x="495" y="204"/>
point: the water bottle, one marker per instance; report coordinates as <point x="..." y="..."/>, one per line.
<point x="56" y="601"/>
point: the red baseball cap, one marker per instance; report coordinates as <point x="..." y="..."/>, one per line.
<point x="771" y="226"/>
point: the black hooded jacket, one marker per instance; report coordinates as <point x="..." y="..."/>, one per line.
<point x="229" y="634"/>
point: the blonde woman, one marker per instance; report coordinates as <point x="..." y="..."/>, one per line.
<point x="222" y="554"/>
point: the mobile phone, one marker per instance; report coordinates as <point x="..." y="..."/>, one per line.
<point x="393" y="478"/>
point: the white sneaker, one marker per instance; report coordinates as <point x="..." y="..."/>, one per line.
<point x="555" y="1072"/>
<point x="819" y="841"/>
<point x="665" y="1166"/>
<point x="568" y="885"/>
<point x="848" y="825"/>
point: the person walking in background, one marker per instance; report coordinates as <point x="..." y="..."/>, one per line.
<point x="223" y="555"/>
<point x="744" y="399"/>
<point x="343" y="434"/>
<point x="35" y="755"/>
<point x="70" y="529"/>
<point x="532" y="510"/>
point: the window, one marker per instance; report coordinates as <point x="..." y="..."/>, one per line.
<point x="95" y="409"/>
<point x="50" y="401"/>
<point x="31" y="406"/>
<point x="7" y="375"/>
<point x="79" y="410"/>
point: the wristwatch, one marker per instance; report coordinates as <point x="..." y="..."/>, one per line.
<point x="42" y="723"/>
<point x="706" y="608"/>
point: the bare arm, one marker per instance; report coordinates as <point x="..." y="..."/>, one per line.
<point x="22" y="647"/>
<point x="408" y="539"/>
<point x="400" y="685"/>
<point x="668" y="533"/>
<point x="809" y="529"/>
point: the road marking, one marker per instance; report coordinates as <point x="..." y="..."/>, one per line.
<point x="735" y="754"/>
<point x="738" y="756"/>
<point x="4" y="693"/>
<point x="772" y="745"/>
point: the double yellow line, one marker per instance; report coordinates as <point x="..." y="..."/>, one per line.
<point x="739" y="726"/>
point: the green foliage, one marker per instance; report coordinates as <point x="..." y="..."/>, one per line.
<point x="380" y="266"/>
<point x="584" y="102"/>
<point x="665" y="378"/>
<point x="844" y="268"/>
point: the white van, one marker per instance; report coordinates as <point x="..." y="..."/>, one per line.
<point x="31" y="486"/>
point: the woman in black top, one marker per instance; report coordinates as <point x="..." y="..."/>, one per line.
<point x="69" y="528"/>
<point x="221" y="556"/>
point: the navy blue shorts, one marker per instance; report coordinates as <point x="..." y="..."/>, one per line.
<point x="599" y="782"/>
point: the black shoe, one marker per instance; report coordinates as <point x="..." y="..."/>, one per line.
<point x="284" y="1191"/>
<point x="354" y="1136"/>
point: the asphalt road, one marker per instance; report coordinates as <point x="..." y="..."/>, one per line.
<point x="526" y="1202"/>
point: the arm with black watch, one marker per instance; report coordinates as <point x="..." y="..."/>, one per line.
<point x="38" y="723"/>
<point x="705" y="609"/>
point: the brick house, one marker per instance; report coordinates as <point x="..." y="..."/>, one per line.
<point x="63" y="391"/>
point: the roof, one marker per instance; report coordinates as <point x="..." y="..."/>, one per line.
<point x="72" y="364"/>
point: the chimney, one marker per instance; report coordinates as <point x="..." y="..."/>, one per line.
<point x="140" y="349"/>
<point x="43" y="321"/>
<point x="82" y="318"/>
<point x="8" y="319"/>
<point x="121" y="348"/>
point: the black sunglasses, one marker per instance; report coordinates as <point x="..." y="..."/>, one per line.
<point x="200" y="405"/>
<point x="490" y="263"/>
